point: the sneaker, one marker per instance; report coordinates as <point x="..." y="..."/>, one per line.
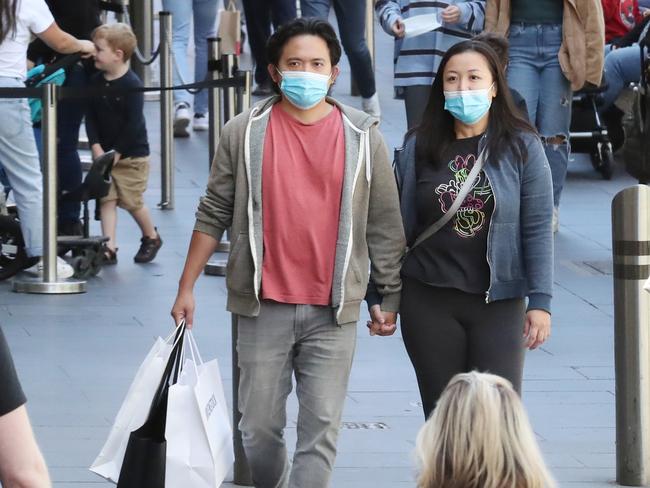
<point x="200" y="122"/>
<point x="148" y="249"/>
<point x="181" y="120"/>
<point x="262" y="90"/>
<point x="556" y="220"/>
<point x="63" y="269"/>
<point x="371" y="106"/>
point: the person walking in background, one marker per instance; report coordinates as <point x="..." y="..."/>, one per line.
<point x="19" y="19"/>
<point x="117" y="123"/>
<point x="21" y="462"/>
<point x="260" y="16"/>
<point x="466" y="279"/>
<point x="78" y="18"/>
<point x="416" y="59"/>
<point x="556" y="46"/>
<point x="306" y="223"/>
<point x="479" y="436"/>
<point x="351" y="19"/>
<point x="203" y="14"/>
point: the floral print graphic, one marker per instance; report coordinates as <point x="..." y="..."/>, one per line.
<point x="470" y="217"/>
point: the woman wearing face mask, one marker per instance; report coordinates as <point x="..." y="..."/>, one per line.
<point x="465" y="284"/>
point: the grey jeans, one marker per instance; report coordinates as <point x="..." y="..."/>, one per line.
<point x="305" y="341"/>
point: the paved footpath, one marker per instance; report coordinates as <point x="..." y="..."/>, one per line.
<point x="76" y="355"/>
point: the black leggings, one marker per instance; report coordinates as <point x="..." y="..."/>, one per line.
<point x="447" y="331"/>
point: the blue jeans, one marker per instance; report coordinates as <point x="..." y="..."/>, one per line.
<point x="351" y="18"/>
<point x="534" y="71"/>
<point x="19" y="158"/>
<point x="622" y="67"/>
<point x="204" y="13"/>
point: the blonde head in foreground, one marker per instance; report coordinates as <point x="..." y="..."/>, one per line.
<point x="479" y="436"/>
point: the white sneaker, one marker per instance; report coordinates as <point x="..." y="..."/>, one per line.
<point x="371" y="106"/>
<point x="556" y="220"/>
<point x="63" y="269"/>
<point x="200" y="122"/>
<point x="181" y="120"/>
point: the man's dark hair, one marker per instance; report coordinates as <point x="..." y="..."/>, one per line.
<point x="497" y="42"/>
<point x="304" y="26"/>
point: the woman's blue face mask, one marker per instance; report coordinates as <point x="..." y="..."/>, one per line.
<point x="468" y="106"/>
<point x="304" y="89"/>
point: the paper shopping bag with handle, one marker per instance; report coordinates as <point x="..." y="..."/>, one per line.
<point x="230" y="29"/>
<point x="134" y="409"/>
<point x="144" y="459"/>
<point x="198" y="432"/>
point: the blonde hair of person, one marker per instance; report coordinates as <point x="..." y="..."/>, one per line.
<point x="118" y="36"/>
<point x="479" y="436"/>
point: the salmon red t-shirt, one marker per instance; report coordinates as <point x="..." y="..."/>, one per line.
<point x="302" y="180"/>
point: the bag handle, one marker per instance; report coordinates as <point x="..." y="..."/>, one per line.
<point x="160" y="396"/>
<point x="458" y="201"/>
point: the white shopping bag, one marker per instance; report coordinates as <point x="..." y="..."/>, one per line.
<point x="134" y="409"/>
<point x="198" y="431"/>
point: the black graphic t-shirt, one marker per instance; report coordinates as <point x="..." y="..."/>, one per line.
<point x="456" y="256"/>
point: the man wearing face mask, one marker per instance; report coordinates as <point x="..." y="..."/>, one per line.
<point x="306" y="186"/>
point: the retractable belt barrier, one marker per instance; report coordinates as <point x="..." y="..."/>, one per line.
<point x="64" y="92"/>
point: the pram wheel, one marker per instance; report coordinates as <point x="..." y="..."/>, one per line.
<point x="603" y="160"/>
<point x="12" y="248"/>
<point x="87" y="262"/>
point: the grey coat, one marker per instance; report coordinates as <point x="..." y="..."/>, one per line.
<point x="370" y="227"/>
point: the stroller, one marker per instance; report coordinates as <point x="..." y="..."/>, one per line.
<point x="87" y="251"/>
<point x="589" y="133"/>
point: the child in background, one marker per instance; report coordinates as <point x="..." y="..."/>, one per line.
<point x="117" y="122"/>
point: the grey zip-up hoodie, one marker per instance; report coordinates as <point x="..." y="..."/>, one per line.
<point x="370" y="225"/>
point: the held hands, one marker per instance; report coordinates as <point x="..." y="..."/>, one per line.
<point x="381" y="323"/>
<point x="537" y="328"/>
<point x="399" y="29"/>
<point x="184" y="308"/>
<point x="450" y="15"/>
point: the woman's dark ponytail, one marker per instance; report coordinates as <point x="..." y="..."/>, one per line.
<point x="7" y="18"/>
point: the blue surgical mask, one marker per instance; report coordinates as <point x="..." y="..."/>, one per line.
<point x="304" y="89"/>
<point x="468" y="106"/>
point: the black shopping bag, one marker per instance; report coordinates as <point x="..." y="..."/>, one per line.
<point x="145" y="456"/>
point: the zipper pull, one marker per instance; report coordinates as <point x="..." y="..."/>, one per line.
<point x="487" y="296"/>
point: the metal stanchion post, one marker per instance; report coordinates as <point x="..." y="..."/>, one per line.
<point x="166" y="114"/>
<point x="214" y="98"/>
<point x="230" y="93"/>
<point x="142" y="23"/>
<point x="631" y="253"/>
<point x="121" y="17"/>
<point x="49" y="283"/>
<point x="370" y="41"/>
<point x="246" y="97"/>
